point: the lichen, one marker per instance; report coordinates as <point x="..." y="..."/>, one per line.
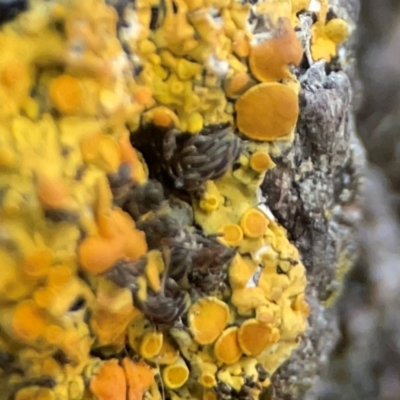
<point x="116" y="286"/>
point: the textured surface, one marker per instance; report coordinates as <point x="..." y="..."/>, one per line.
<point x="315" y="192"/>
<point x="160" y="270"/>
<point x="111" y="280"/>
<point x="365" y="363"/>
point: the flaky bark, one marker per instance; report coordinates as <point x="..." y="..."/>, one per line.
<point x="315" y="193"/>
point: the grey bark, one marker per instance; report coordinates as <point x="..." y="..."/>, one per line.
<point x="315" y="193"/>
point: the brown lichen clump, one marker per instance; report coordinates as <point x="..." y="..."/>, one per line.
<point x="116" y="286"/>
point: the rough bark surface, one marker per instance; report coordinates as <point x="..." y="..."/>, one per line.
<point x="365" y="363"/>
<point x="315" y="193"/>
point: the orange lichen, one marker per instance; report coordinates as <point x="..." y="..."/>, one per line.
<point x="130" y="156"/>
<point x="175" y="375"/>
<point x="240" y="44"/>
<point x="109" y="383"/>
<point x="254" y="337"/>
<point x="133" y="239"/>
<point x="122" y="241"/>
<point x="101" y="150"/>
<point x="208" y="379"/>
<point x="66" y="94"/>
<point x="270" y="58"/>
<point x="54" y="334"/>
<point x="104" y="197"/>
<point x="207" y="318"/>
<point x="238" y="84"/>
<point x="12" y="73"/>
<point x="59" y="275"/>
<point x="161" y="116"/>
<point x="144" y="96"/>
<point x="139" y="378"/>
<point x="44" y="297"/>
<point x="97" y="254"/>
<point x="226" y="348"/>
<point x="267" y="111"/>
<point x="254" y="223"/>
<point x="232" y="234"/>
<point x="110" y="326"/>
<point x="37" y="263"/>
<point x="260" y="161"/>
<point x="52" y="193"/>
<point x="28" y="321"/>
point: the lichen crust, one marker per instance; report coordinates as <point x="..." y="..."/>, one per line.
<point x="139" y="259"/>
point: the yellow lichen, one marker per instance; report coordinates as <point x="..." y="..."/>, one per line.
<point x="241" y="270"/>
<point x="151" y="345"/>
<point x="226" y="348"/>
<point x="211" y="198"/>
<point x="254" y="337"/>
<point x="254" y="223"/>
<point x="175" y="375"/>
<point x="248" y="298"/>
<point x="232" y="234"/>
<point x="327" y="34"/>
<point x="207" y="318"/>
<point x="167" y="355"/>
<point x="71" y="100"/>
<point x="209" y="395"/>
